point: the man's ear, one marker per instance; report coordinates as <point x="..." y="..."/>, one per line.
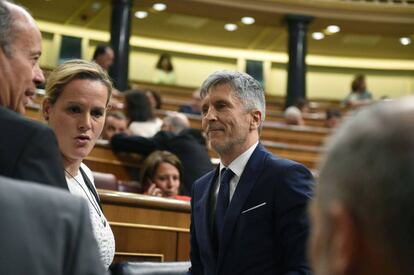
<point x="46" y="109"/>
<point x="256" y="119"/>
<point x="344" y="243"/>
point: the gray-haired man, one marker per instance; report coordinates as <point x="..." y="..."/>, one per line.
<point x="363" y="215"/>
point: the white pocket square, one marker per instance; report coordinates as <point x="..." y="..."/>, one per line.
<point x="254" y="207"/>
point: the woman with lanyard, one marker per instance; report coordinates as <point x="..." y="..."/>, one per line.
<point x="77" y="97"/>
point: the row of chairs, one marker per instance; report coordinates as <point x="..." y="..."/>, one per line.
<point x="108" y="181"/>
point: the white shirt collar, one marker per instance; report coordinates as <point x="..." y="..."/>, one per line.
<point x="238" y="164"/>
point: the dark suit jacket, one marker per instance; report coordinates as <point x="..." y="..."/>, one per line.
<point x="45" y="230"/>
<point x="186" y="146"/>
<point x="29" y="151"/>
<point x="268" y="239"/>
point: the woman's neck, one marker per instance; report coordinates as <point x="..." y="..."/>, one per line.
<point x="71" y="167"/>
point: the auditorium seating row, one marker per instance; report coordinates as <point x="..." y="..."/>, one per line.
<point x="274" y="115"/>
<point x="273" y="131"/>
<point x="147" y="228"/>
<point x="124" y="166"/>
<point x="273" y="102"/>
<point x="108" y="181"/>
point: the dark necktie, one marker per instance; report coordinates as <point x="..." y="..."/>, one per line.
<point x="223" y="198"/>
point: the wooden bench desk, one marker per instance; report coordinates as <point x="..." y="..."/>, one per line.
<point x="147" y="228"/>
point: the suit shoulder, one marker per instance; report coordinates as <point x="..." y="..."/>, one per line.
<point x="275" y="162"/>
<point x="204" y="179"/>
<point x="37" y="196"/>
<point x="18" y="121"/>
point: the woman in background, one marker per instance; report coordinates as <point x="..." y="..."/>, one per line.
<point x="142" y="121"/>
<point x="164" y="70"/>
<point x="359" y="95"/>
<point x="161" y="175"/>
<point x="77" y="97"/>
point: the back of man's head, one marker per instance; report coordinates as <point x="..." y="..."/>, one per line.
<point x="293" y="116"/>
<point x="369" y="171"/>
<point x="175" y="122"/>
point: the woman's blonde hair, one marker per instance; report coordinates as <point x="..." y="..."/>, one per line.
<point x="73" y="70"/>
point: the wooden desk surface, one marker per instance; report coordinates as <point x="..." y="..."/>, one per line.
<point x="146" y="227"/>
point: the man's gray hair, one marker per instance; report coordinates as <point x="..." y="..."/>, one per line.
<point x="246" y="88"/>
<point x="117" y="114"/>
<point x="177" y="122"/>
<point x="369" y="167"/>
<point x="6" y="27"/>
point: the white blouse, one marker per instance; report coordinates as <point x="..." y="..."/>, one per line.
<point x="101" y="229"/>
<point x="146" y="128"/>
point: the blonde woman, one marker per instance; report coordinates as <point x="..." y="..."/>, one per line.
<point x="77" y="97"/>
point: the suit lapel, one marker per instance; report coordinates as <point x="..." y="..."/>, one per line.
<point x="250" y="175"/>
<point x="202" y="217"/>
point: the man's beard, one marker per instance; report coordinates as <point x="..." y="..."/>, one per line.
<point x="228" y="147"/>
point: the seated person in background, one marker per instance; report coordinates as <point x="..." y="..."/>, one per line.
<point x="362" y="215"/>
<point x="115" y="123"/>
<point x="77" y="97"/>
<point x="164" y="70"/>
<point x="333" y="118"/>
<point x="293" y="116"/>
<point x="359" y="95"/>
<point x="45" y="231"/>
<point x="175" y="122"/>
<point x="187" y="144"/>
<point x="195" y="107"/>
<point x="161" y="175"/>
<point x="155" y="99"/>
<point x="302" y="104"/>
<point x="142" y="121"/>
<point x="103" y="56"/>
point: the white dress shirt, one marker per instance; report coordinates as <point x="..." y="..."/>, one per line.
<point x="237" y="166"/>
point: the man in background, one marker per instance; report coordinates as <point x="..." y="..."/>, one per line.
<point x="115" y="123"/>
<point x="363" y="215"/>
<point x="176" y="137"/>
<point x="28" y="150"/>
<point x="103" y="56"/>
<point x="194" y="107"/>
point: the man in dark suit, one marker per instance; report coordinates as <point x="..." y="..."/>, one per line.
<point x="187" y="144"/>
<point x="28" y="150"/>
<point x="248" y="215"/>
<point x="362" y="215"/>
<point x="45" y="231"/>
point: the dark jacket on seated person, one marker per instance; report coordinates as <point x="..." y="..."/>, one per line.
<point x="188" y="146"/>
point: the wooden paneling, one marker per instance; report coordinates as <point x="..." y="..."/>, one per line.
<point x="123" y="165"/>
<point x="132" y="239"/>
<point x="147" y="227"/>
